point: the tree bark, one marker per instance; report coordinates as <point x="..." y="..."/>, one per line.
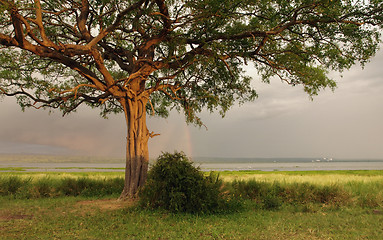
<point x="137" y="153"/>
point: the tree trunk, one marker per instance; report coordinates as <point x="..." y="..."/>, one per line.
<point x="137" y="153"/>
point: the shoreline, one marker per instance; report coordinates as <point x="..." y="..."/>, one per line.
<point x="45" y="163"/>
<point x="206" y="167"/>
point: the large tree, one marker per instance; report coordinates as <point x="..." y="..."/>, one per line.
<point x="150" y="56"/>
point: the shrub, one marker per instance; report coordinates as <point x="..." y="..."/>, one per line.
<point x="90" y="187"/>
<point x="250" y="189"/>
<point x="271" y="202"/>
<point x="42" y="188"/>
<point x="174" y="184"/>
<point x="12" y="185"/>
<point x="69" y="187"/>
<point x="333" y="194"/>
<point x="300" y="193"/>
<point x="272" y="195"/>
<point x="24" y="188"/>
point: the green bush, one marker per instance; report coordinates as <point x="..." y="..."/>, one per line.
<point x="12" y="185"/>
<point x="250" y="189"/>
<point x="299" y="193"/>
<point x="272" y="195"/>
<point x="174" y="184"/>
<point x="333" y="194"/>
<point x="264" y="193"/>
<point x="41" y="188"/>
<point x="271" y="202"/>
<point x="90" y="187"/>
<point x="69" y="187"/>
<point x="25" y="188"/>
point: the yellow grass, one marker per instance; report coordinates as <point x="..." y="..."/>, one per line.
<point x="314" y="179"/>
<point x="283" y="177"/>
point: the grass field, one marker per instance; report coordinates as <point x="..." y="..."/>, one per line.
<point x="317" y="177"/>
<point x="359" y="215"/>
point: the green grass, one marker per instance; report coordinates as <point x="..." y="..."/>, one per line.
<point x="27" y="187"/>
<point x="17" y="169"/>
<point x="316" y="177"/>
<point x="67" y="218"/>
<point x="284" y="205"/>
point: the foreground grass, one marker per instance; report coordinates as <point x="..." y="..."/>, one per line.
<point x="79" y="218"/>
<point x="358" y="215"/>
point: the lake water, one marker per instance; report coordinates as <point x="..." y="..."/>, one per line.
<point x="216" y="164"/>
<point x="299" y="166"/>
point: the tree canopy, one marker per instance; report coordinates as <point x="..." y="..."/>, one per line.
<point x="190" y="55"/>
<point x="139" y="56"/>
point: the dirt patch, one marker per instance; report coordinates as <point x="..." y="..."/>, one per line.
<point x="14" y="217"/>
<point x="107" y="204"/>
<point x="376" y="211"/>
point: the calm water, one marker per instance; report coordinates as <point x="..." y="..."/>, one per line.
<point x="218" y="164"/>
<point x="299" y="166"/>
<point x="289" y="164"/>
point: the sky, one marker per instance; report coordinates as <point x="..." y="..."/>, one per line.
<point x="282" y="122"/>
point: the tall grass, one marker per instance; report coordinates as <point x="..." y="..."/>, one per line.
<point x="29" y="187"/>
<point x="269" y="190"/>
<point x="368" y="194"/>
<point x="273" y="194"/>
<point x="314" y="177"/>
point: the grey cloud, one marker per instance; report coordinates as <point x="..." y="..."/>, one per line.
<point x="282" y="122"/>
<point x="82" y="132"/>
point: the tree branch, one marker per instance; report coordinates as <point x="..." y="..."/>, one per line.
<point x="116" y="24"/>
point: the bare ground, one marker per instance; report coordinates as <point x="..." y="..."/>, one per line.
<point x="106" y="204"/>
<point x="80" y="207"/>
<point x="8" y="217"/>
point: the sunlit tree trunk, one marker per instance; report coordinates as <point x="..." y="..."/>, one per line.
<point x="137" y="153"/>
